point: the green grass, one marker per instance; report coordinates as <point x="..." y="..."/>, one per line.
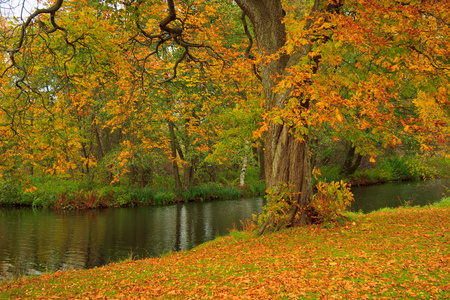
<point x="404" y="168"/>
<point x="401" y="253"/>
<point x="210" y="191"/>
<point x="53" y="192"/>
<point x="445" y="202"/>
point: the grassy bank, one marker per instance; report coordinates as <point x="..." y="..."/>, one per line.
<point x="393" y="168"/>
<point x="58" y="194"/>
<point x="397" y="253"/>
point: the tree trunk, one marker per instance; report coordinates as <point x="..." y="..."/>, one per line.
<point x="287" y="161"/>
<point x="244" y="164"/>
<point x="349" y="167"/>
<point x="262" y="161"/>
<point x="175" y="169"/>
<point x="286" y="158"/>
<point x="188" y="174"/>
<point x="243" y="169"/>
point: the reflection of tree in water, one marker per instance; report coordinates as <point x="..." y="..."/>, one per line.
<point x="37" y="241"/>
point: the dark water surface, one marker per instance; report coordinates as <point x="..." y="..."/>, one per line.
<point x="37" y="241"/>
<point x="394" y="194"/>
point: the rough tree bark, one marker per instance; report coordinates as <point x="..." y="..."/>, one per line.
<point x="286" y="159"/>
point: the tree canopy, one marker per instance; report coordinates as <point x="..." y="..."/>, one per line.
<point x="110" y="85"/>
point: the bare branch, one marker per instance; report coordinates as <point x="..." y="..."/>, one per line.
<point x="168" y="33"/>
<point x="51" y="10"/>
<point x="174" y="75"/>
<point x="172" y="16"/>
<point x="23" y="35"/>
<point x="249" y="46"/>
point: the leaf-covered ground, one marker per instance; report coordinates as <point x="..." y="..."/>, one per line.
<point x="399" y="254"/>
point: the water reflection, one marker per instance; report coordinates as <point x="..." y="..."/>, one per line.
<point x="36" y="241"/>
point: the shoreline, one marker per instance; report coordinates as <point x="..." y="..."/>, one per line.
<point x="380" y="242"/>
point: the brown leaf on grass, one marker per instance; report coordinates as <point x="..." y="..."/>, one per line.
<point x="387" y="261"/>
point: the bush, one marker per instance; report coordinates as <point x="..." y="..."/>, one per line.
<point x="257" y="188"/>
<point x="143" y="196"/>
<point x="10" y="191"/>
<point x="330" y="200"/>
<point x="440" y="165"/>
<point x="445" y="202"/>
<point x="279" y="201"/>
<point x="395" y="169"/>
<point x="328" y="173"/>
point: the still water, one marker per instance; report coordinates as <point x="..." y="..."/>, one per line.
<point x="394" y="194"/>
<point x="37" y="241"/>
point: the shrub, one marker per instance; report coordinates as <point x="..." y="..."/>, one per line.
<point x="328" y="173"/>
<point x="279" y="201"/>
<point x="228" y="192"/>
<point x="256" y="188"/>
<point x="395" y="169"/>
<point x="331" y="199"/>
<point x="142" y="196"/>
<point x="9" y="192"/>
<point x="445" y="202"/>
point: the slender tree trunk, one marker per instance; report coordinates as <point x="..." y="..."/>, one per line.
<point x="188" y="174"/>
<point x="86" y="156"/>
<point x="141" y="178"/>
<point x="133" y="175"/>
<point x="175" y="169"/>
<point x="97" y="133"/>
<point x="243" y="170"/>
<point x="71" y="172"/>
<point x="244" y="164"/>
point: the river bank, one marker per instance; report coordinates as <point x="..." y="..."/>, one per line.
<point x="400" y="253"/>
<point x="63" y="194"/>
<point x="37" y="241"/>
<point x="60" y="194"/>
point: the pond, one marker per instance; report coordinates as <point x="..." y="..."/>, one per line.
<point x="36" y="241"/>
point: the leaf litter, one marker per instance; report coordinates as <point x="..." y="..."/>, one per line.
<point x="397" y="254"/>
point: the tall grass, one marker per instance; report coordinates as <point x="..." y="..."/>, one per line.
<point x="210" y="191"/>
<point x="57" y="193"/>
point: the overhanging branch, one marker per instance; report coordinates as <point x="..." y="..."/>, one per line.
<point x="171" y="31"/>
<point x="23" y="35"/>
<point x="51" y="10"/>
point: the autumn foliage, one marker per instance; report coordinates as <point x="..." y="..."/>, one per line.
<point x="97" y="98"/>
<point x="129" y="92"/>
